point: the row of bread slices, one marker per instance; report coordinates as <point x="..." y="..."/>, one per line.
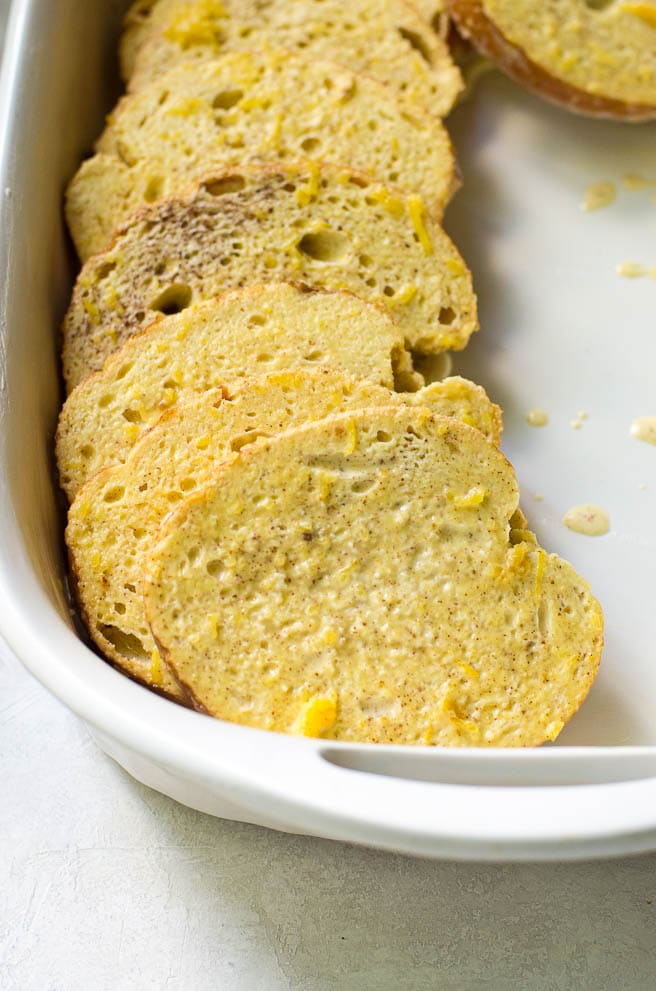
<point x="340" y="589"/>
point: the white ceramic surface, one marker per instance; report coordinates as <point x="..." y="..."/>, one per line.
<point x="560" y="331"/>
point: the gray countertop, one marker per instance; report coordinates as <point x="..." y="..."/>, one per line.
<point x="108" y="886"/>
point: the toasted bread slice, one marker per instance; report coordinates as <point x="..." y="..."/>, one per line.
<point x="116" y="515"/>
<point x="355" y="579"/>
<point x="316" y="225"/>
<point x="390" y="42"/>
<point x="594" y="58"/>
<point x="252" y="107"/>
<point x="243" y="333"/>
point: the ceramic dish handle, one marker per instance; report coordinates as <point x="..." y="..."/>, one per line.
<point x="520" y="804"/>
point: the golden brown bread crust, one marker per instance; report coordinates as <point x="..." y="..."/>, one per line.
<point x="477" y="27"/>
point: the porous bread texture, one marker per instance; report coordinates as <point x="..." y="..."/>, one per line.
<point x="390" y="41"/>
<point x="598" y="60"/>
<point x="316" y="225"/>
<point x="355" y="579"/>
<point x="252" y="107"/>
<point x="116" y="515"/>
<point x="243" y="333"/>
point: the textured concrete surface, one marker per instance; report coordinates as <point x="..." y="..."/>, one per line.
<point x="108" y="886"/>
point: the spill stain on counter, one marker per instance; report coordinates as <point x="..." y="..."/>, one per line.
<point x="537" y="418"/>
<point x="588" y="519"/>
<point x="644" y="428"/>
<point x="598" y="195"/>
<point x="634" y="270"/>
<point x="634" y="182"/>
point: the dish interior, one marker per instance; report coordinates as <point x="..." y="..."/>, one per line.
<point x="561" y="330"/>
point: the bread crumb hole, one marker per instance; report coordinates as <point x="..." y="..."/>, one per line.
<point x="104" y="270"/>
<point x="417" y="43"/>
<point x="329" y="247"/>
<point x="447" y="315"/>
<point x="383" y="437"/>
<point x="314" y="356"/>
<point x="362" y="485"/>
<point x="105" y="400"/>
<point x="310" y="144"/>
<point x="124" y="643"/>
<point x="243" y="440"/>
<point x="264" y="357"/>
<point x="257" y="320"/>
<point x="123" y="371"/>
<point x="153" y="190"/>
<point x="227" y="98"/>
<point x="119" y="607"/>
<point x="87" y="450"/>
<point x="187" y="484"/>
<point x="388" y="291"/>
<point x="114" y="494"/>
<point x="213" y="567"/>
<point x="228" y="184"/>
<point x="133" y="416"/>
<point x="172" y="300"/>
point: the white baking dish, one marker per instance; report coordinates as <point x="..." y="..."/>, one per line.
<point x="547" y="341"/>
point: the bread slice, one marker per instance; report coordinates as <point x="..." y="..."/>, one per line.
<point x="252" y="107"/>
<point x="355" y="579"/>
<point x="316" y="225"/>
<point x="594" y="58"/>
<point x="136" y="28"/>
<point x="389" y="41"/>
<point x="116" y="515"/>
<point x="243" y="333"/>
